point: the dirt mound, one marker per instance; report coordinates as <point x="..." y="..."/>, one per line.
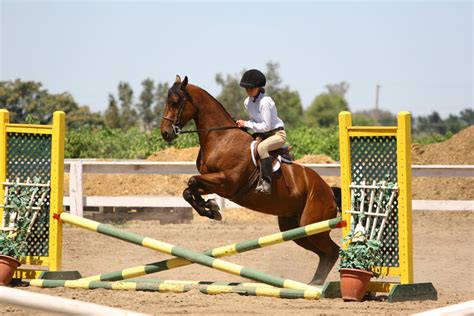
<point x="174" y="154"/>
<point x="146" y="184"/>
<point x="458" y="150"/>
<point x="315" y="159"/>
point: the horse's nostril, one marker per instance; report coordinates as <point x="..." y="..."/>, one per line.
<point x="164" y="135"/>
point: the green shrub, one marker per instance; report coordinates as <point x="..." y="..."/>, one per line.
<point x="135" y="144"/>
<point x="431" y="138"/>
<point x="313" y="141"/>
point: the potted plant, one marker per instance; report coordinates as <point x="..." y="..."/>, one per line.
<point x="9" y="252"/>
<point x="359" y="255"/>
<point x="23" y="204"/>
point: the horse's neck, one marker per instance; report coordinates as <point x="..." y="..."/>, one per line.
<point x="210" y="113"/>
<point x="217" y="143"/>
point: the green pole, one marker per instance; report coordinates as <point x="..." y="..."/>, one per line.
<point x="184" y="253"/>
<point x="228" y="250"/>
<point x="181" y="288"/>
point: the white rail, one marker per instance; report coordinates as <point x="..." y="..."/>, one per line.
<point x="77" y="201"/>
<point x="56" y="304"/>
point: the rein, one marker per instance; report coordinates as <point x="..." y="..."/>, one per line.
<point x="175" y="122"/>
<point x="207" y="129"/>
<point x="177" y="130"/>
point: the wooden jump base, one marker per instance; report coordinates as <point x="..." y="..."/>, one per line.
<point x="180" y="252"/>
<point x="228" y="250"/>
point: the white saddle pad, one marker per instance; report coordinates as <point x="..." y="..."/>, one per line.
<point x="276" y="166"/>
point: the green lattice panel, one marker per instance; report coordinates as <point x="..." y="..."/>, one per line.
<point x="29" y="155"/>
<point x="375" y="159"/>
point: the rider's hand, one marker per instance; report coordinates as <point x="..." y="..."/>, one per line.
<point x="240" y="123"/>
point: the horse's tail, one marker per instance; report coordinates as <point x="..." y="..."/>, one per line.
<point x="336" y="191"/>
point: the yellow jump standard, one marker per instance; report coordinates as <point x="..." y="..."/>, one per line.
<point x="27" y="151"/>
<point x="383" y="153"/>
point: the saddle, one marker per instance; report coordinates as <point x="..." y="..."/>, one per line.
<point x="280" y="155"/>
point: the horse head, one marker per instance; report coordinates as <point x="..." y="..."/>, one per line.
<point x="178" y="111"/>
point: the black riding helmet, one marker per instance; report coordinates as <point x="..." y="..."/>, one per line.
<point x="253" y="78"/>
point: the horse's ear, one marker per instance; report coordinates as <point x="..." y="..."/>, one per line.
<point x="184" y="83"/>
<point x="178" y="79"/>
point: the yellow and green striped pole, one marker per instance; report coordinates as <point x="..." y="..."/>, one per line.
<point x="147" y="280"/>
<point x="228" y="250"/>
<point x="260" y="291"/>
<point x="184" y="253"/>
<point x="124" y="286"/>
<point x="166" y="287"/>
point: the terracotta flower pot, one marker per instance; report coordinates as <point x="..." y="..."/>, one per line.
<point x="354" y="283"/>
<point x="8" y="266"/>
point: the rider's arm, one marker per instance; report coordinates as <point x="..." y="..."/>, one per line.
<point x="266" y="116"/>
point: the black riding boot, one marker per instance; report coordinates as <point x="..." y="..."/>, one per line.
<point x="265" y="183"/>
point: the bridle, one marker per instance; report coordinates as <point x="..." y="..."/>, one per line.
<point x="175" y="122"/>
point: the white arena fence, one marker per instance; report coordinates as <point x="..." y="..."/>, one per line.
<point x="77" y="200"/>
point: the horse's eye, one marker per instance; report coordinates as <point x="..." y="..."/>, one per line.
<point x="174" y="104"/>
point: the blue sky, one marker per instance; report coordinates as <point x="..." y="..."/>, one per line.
<point x="421" y="53"/>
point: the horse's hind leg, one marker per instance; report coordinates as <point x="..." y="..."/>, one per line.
<point x="321" y="244"/>
<point x="328" y="252"/>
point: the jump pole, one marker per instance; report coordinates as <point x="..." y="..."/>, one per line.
<point x="180" y="252"/>
<point x="228" y="250"/>
<point x="212" y="289"/>
<point x="146" y="280"/>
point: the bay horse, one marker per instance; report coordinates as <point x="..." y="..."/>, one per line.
<point x="299" y="195"/>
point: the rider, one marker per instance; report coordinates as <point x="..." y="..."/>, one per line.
<point x="263" y="119"/>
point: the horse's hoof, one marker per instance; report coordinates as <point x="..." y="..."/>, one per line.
<point x="212" y="205"/>
<point x="216" y="215"/>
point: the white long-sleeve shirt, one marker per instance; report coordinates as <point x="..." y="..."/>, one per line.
<point x="263" y="114"/>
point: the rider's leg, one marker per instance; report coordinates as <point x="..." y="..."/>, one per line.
<point x="271" y="143"/>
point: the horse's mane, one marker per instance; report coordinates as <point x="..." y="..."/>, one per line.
<point x="217" y="101"/>
<point x="175" y="87"/>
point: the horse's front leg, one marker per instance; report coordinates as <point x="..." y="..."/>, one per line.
<point x="207" y="184"/>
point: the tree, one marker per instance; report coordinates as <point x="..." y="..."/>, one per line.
<point x="288" y="101"/>
<point x="128" y="115"/>
<point x="232" y="96"/>
<point x="28" y="99"/>
<point x="366" y="118"/>
<point x="467" y="115"/>
<point x="430" y="124"/>
<point x="338" y="88"/>
<point x="454" y="123"/>
<point x="83" y="117"/>
<point x="145" y="104"/>
<point x="289" y="107"/>
<point x="272" y="74"/>
<point x="324" y="110"/>
<point x="161" y="94"/>
<point x="112" y="115"/>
